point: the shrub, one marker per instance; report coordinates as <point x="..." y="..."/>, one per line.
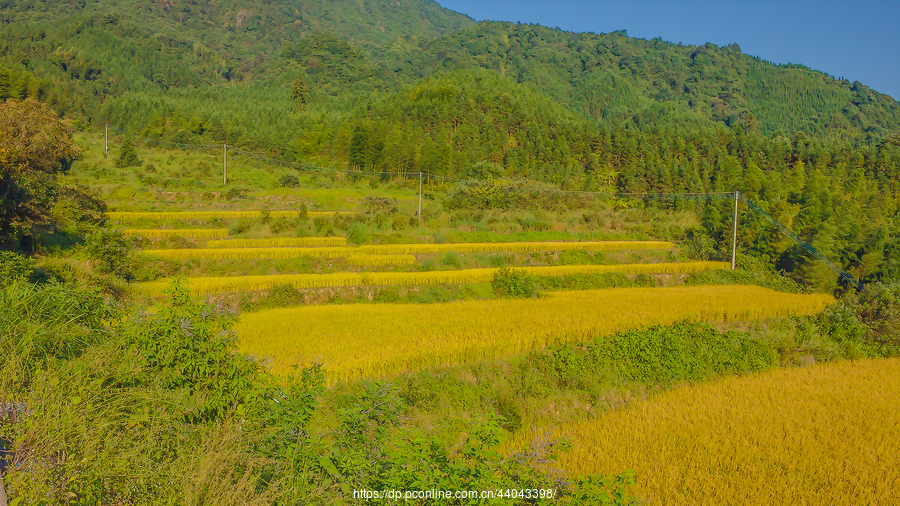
<point x="452" y="258"/>
<point x="236" y="193"/>
<point x="14" y="267"/>
<point x="289" y="181"/>
<point x="279" y="224"/>
<point x="357" y="233"/>
<point x="111" y="252"/>
<point x="128" y="156"/>
<point x="243" y="225"/>
<point x="511" y="283"/>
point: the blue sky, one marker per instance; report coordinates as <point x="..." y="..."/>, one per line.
<point x="859" y="41"/>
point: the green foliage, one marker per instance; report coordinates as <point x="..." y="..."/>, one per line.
<point x="452" y="259"/>
<point x="514" y="283"/>
<point x="111" y="252"/>
<point x="289" y="181"/>
<point x="35" y="145"/>
<point x="380" y="208"/>
<point x="242" y="226"/>
<point x="686" y="351"/>
<point x="14" y="267"/>
<point x="878" y="309"/>
<point x="749" y="271"/>
<point x="357" y="233"/>
<point x="128" y="156"/>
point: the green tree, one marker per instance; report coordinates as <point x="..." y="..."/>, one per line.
<point x="35" y="145"/>
<point x="5" y="83"/>
<point x="128" y="156"/>
<point x="300" y="94"/>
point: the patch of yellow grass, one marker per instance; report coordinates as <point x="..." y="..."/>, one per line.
<point x="201" y="215"/>
<point x="156" y="233"/>
<point x="357" y="341"/>
<point x="215" y="285"/>
<point x="250" y="253"/>
<point x="276" y="242"/>
<point x="380" y="260"/>
<point x="481" y="247"/>
<point x="826" y="434"/>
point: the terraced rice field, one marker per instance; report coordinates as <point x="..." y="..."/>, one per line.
<point x="279" y="242"/>
<point x="216" y="285"/>
<point x="277" y="248"/>
<point x="510" y="247"/>
<point x="158" y="233"/>
<point x="380" y="260"/>
<point x="371" y="341"/>
<point x="826" y="434"/>
<point x="251" y="253"/>
<point x="203" y="215"/>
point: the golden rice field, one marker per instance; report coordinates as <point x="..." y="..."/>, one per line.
<point x="199" y="215"/>
<point x="825" y="434"/>
<point x="214" y="285"/>
<point x="276" y="242"/>
<point x="479" y="247"/>
<point x="155" y="233"/>
<point x="380" y="260"/>
<point x="277" y="248"/>
<point x="251" y="253"/>
<point x="370" y="341"/>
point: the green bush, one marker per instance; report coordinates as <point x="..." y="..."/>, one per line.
<point x="14" y="267"/>
<point x="289" y="181"/>
<point x="452" y="259"/>
<point x="243" y="225"/>
<point x="111" y="253"/>
<point x="512" y="283"/>
<point x="128" y="156"/>
<point x="279" y="225"/>
<point x="357" y="233"/>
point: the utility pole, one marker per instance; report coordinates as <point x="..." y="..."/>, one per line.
<point x="106" y="141"/>
<point x="737" y="197"/>
<point x="224" y="164"/>
<point x="420" y="196"/>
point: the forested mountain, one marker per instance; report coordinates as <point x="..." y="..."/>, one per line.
<point x="82" y="55"/>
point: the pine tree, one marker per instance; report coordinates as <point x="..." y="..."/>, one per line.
<point x="4" y="83"/>
<point x="300" y="94"/>
<point x="128" y="156"/>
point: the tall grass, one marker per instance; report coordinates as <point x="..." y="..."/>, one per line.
<point x="370" y="341"/>
<point x="275" y="242"/>
<point x="199" y="215"/>
<point x="275" y="248"/>
<point x="825" y="434"/>
<point x="214" y="285"/>
<point x="380" y="260"/>
<point x="251" y="253"/>
<point x="155" y="233"/>
<point x="482" y="247"/>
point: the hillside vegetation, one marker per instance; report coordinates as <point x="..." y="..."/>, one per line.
<point x="417" y="236"/>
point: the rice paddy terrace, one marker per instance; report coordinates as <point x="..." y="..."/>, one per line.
<point x="319" y="277"/>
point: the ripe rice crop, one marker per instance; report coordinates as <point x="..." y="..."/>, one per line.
<point x="487" y="247"/>
<point x="250" y="253"/>
<point x="381" y="260"/>
<point x="200" y="215"/>
<point x="155" y="233"/>
<point x="214" y="285"/>
<point x="825" y="434"/>
<point x="275" y="242"/>
<point x="371" y="341"/>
